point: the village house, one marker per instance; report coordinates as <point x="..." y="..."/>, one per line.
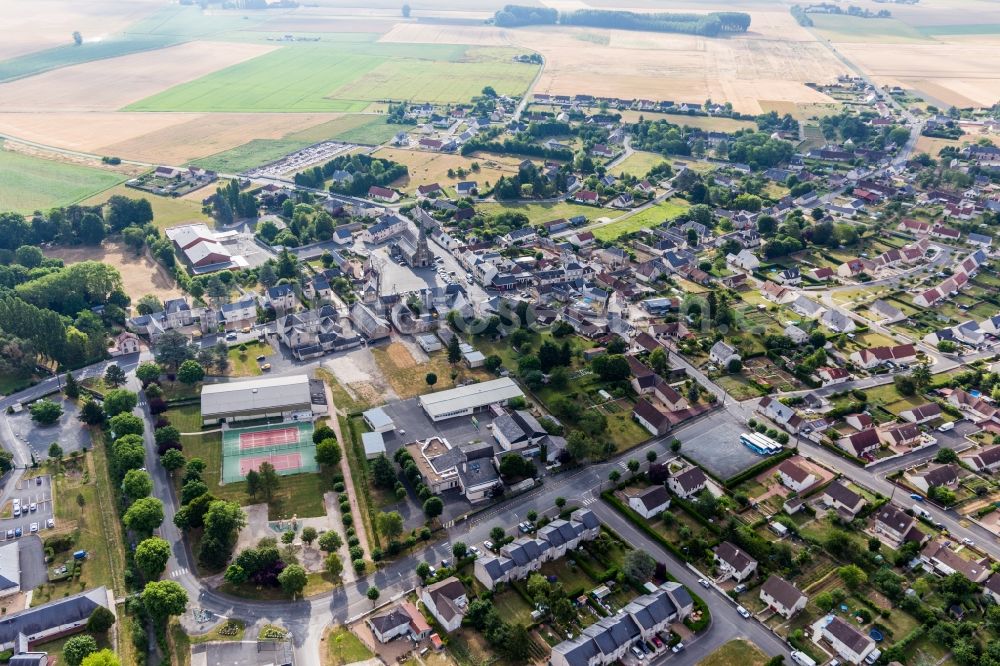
<point x="875" y="356"/>
<point x="842" y="499"/>
<point x="651" y="502"/>
<point x="921" y="414"/>
<point x="723" y="353"/>
<point x="400" y="620"/>
<point x="383" y="194"/>
<point x="861" y="444"/>
<point x="446" y="600"/>
<point x="782" y="597"/>
<point x="896" y="526"/>
<point x="794" y="476"/>
<point x="849" y="643"/>
<point x="733" y="562"/>
<point x="984" y="460"/>
<point x="688" y="483"/>
<point x="780" y="413"/>
<point x="941" y="559"/>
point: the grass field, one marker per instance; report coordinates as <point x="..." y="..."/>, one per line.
<point x="343" y="647"/>
<point x="352" y="128"/>
<point x="337" y="77"/>
<point x="64" y="56"/>
<point x="735" y="652"/>
<point x="140" y="274"/>
<point x="960" y="30"/>
<point x="426" y="167"/>
<point x="544" y="212"/>
<point x="638" y="164"/>
<point x="28" y="183"/>
<point x="167" y="211"/>
<point x="244" y="363"/>
<point x="645" y="219"/>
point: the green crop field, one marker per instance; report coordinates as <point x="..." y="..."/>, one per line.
<point x="959" y="30"/>
<point x="64" y="56"/>
<point x="331" y="76"/>
<point x="356" y="128"/>
<point x="645" y="219"/>
<point x="855" y="29"/>
<point x="251" y="154"/>
<point x="28" y="183"/>
<point x="638" y="164"/>
<point x="543" y="212"/>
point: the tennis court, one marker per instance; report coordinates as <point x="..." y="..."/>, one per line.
<point x="288" y="447"/>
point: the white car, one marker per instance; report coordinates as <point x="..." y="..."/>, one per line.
<point x="34" y="527"/>
<point x="743" y="611"/>
<point x="33" y="506"/>
<point x="968" y="542"/>
<point x="677" y="648"/>
<point x="704" y="583"/>
<point x="638" y="653"/>
<point x="50" y="523"/>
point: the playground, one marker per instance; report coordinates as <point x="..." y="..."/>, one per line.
<point x="288" y="447"/>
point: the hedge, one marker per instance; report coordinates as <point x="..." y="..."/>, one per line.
<point x="642" y="525"/>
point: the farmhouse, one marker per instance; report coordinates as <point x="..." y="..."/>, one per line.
<point x="270" y="397"/>
<point x="466" y="400"/>
<point x="203" y="249"/>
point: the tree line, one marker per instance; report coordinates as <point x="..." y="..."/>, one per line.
<point x="707" y="25"/>
<point x="365" y="171"/>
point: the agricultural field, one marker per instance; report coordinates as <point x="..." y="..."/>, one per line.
<point x="855" y="29"/>
<point x="638" y="164"/>
<point x="29" y="183"/>
<point x="346" y="78"/>
<point x="709" y="124"/>
<point x="428" y="167"/>
<point x="650" y="217"/>
<point x="140" y="274"/>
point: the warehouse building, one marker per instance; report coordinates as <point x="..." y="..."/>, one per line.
<point x="292" y="398"/>
<point x="466" y="400"/>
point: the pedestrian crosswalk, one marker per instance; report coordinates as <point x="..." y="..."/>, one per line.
<point x="177" y="573"/>
<point x="623" y="464"/>
<point x="587" y="501"/>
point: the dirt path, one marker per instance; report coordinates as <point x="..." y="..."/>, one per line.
<point x="333" y="513"/>
<point x="345" y="470"/>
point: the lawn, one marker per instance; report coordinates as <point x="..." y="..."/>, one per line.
<point x="167" y="211"/>
<point x="343" y="647"/>
<point x="28" y="183"/>
<point x="300" y="494"/>
<point x="543" y="212"/>
<point x="243" y="359"/>
<point x="644" y="219"/>
<point x="408" y="378"/>
<point x="638" y="164"/>
<point x="512" y="607"/>
<point x="737" y="651"/>
<point x="317" y="77"/>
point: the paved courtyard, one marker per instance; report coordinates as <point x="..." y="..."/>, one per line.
<point x="717" y="447"/>
<point x="66" y="431"/>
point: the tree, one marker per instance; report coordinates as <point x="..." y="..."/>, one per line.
<point x="103" y="658"/>
<point x="151" y="557"/>
<point x="825" y="601"/>
<point x="126" y="424"/>
<point x="164" y="598"/>
<point x="497" y="535"/>
<point x="406" y="11"/>
<point x="633" y="466"/>
<point x="328" y="452"/>
<point x="459" y="550"/>
<point x="853" y="576"/>
<point x="431" y="379"/>
<point x="100" y="620"/>
<point x="172" y="460"/>
<point x="330" y="541"/>
<point x="373" y="594"/>
<point x="614" y="476"/>
<point x="253" y="483"/>
<point x="904" y="385"/>
<point x="390" y="524"/>
<point x="454" y="350"/>
<point x="639" y="566"/>
<point x="137" y="484"/>
<point x="293" y="579"/>
<point x="946" y="456"/>
<point x="309" y="535"/>
<point x="921" y="376"/>
<point x="172" y="349"/>
<point x="334" y="565"/>
<point x="168" y="434"/>
<point x="734" y="366"/>
<point x="190" y="372"/>
<point x="651" y="456"/>
<point x="658" y="360"/>
<point x="383" y="474"/>
<point x="119" y="400"/>
<point x="148" y="372"/>
<point x="433" y="507"/>
<point x="91" y="413"/>
<point x="611" y="368"/>
<point x="268" y="480"/>
<point x="114" y="376"/>
<point x="45" y="412"/>
<point x="560" y="503"/>
<point x="71" y="387"/>
<point x="79" y="648"/>
<point x="423" y="570"/>
<point x="144" y="516"/>
<point x="55" y="451"/>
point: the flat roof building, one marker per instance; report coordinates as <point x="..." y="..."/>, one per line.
<point x="466" y="400"/>
<point x="285" y="397"/>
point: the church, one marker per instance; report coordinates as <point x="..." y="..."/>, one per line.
<point x="412" y="246"/>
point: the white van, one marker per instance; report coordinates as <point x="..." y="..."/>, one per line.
<point x="945" y="427"/>
<point x="802" y="658"/>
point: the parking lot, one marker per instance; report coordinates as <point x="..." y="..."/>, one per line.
<point x="66" y="431"/>
<point x="717" y="447"/>
<point x="35" y="492"/>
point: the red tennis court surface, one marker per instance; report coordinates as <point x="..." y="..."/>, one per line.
<point x="282" y="462"/>
<point x="264" y="438"/>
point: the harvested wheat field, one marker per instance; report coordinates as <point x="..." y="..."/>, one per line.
<point x="423" y="33"/>
<point x="33" y="25"/>
<point x="108" y="85"/>
<point x="140" y="274"/>
<point x="686" y="68"/>
<point x="210" y="133"/>
<point x="86" y="131"/>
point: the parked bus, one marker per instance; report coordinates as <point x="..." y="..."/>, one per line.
<point x="760" y="444"/>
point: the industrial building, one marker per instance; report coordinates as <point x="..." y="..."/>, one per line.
<point x="466" y="400"/>
<point x="288" y="398"/>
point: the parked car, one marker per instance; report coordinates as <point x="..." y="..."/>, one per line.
<point x="740" y="589"/>
<point x="34" y="527"/>
<point x="10" y="534"/>
<point x="265" y="367"/>
<point x="677" y="648"/>
<point x="475" y="551"/>
<point x="488" y="545"/>
<point x="657" y="642"/>
<point x="637" y="652"/>
<point x="743" y="611"/>
<point x="50" y="523"/>
<point x="38" y="480"/>
<point x="33" y="506"/>
<point x="968" y="542"/>
<point x="18" y="532"/>
<point x="704" y="583"/>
